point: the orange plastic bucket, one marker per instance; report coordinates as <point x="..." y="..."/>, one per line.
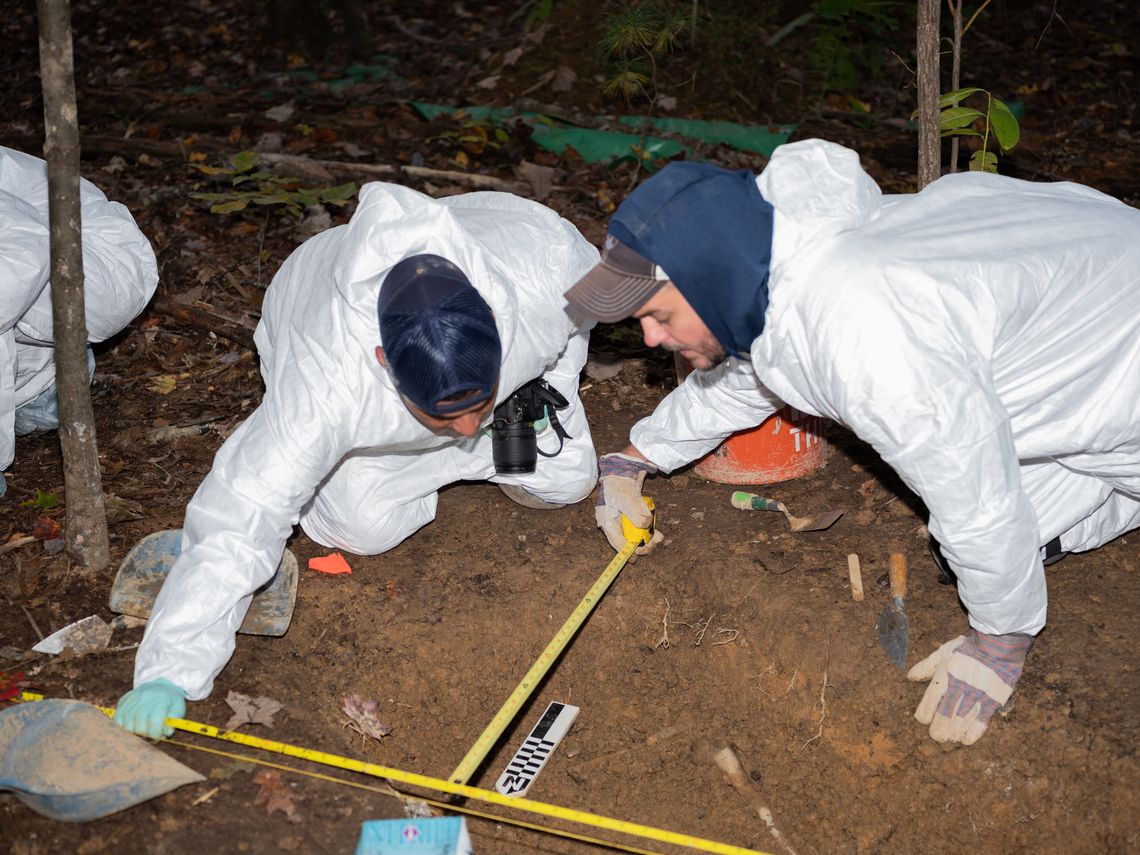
<point x="787" y="445"/>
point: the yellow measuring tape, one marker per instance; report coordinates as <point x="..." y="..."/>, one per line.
<point x="634" y="537"/>
<point x="387" y="790"/>
<point x="440" y="785"/>
<point x="547" y="658"/>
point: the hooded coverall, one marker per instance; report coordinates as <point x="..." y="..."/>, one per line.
<point x="983" y="336"/>
<point x="119" y="277"/>
<point x="332" y="445"/>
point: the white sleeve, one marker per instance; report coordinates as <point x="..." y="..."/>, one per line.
<point x="234" y="535"/>
<point x="904" y="381"/>
<point x="701" y="413"/>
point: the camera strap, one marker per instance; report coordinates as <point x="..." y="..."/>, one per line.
<point x="552" y="415"/>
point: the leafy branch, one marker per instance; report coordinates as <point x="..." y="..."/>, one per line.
<point x="633" y="36"/>
<point x="997" y="122"/>
<point x="268" y="188"/>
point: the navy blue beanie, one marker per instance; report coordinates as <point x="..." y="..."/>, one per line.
<point x="710" y="230"/>
<point x="439" y="336"/>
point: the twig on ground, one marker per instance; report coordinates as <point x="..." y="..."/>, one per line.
<point x="663" y="641"/>
<point x="760" y="678"/>
<point x="32" y="621"/>
<point x="822" y="697"/>
<point x="731" y="633"/>
<point x="792" y="682"/>
<point x="224" y="324"/>
<point x="172" y="432"/>
<point x="17" y="543"/>
<point x="700" y="628"/>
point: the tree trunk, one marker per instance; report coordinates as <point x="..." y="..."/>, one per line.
<point x="956" y="71"/>
<point x="85" y="526"/>
<point x="929" y="143"/>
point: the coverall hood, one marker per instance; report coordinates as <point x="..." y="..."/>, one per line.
<point x="710" y="230"/>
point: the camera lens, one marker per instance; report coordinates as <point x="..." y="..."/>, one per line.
<point x="514" y="447"/>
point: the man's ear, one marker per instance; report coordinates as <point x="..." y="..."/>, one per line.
<point x="380" y="356"/>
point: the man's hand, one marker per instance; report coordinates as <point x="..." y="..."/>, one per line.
<point x="144" y="710"/>
<point x="971" y="678"/>
<point x="621" y="476"/>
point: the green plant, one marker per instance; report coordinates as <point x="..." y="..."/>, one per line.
<point x="635" y="36"/>
<point x="270" y="189"/>
<point x="43" y="501"/>
<point x="848" y="35"/>
<point x="476" y="135"/>
<point x="998" y="123"/>
<point x="533" y="12"/>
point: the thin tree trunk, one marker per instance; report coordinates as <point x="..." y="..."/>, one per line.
<point x="929" y="144"/>
<point x="955" y="70"/>
<point x="85" y="526"/>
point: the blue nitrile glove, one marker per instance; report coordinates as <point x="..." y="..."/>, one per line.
<point x="621" y="477"/>
<point x="145" y="709"/>
<point x="971" y="678"/>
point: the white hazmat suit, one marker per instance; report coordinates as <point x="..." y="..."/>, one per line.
<point x="982" y="335"/>
<point x="332" y="445"/>
<point x="119" y="270"/>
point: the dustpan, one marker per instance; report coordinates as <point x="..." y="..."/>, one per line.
<point x="67" y="761"/>
<point x="145" y="568"/>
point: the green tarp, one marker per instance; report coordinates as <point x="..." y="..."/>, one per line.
<point x="597" y="146"/>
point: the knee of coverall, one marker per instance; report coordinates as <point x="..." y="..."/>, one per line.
<point x="364" y="527"/>
<point x="565" y="479"/>
<point x="1118" y="515"/>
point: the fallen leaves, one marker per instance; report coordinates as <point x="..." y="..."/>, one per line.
<point x="163" y="384"/>
<point x="275" y="794"/>
<point x="362" y="717"/>
<point x="249" y="710"/>
<point x="11" y="685"/>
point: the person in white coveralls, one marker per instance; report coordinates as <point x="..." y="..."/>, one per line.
<point x="119" y="277"/>
<point x="983" y="336"/>
<point x="386" y="346"/>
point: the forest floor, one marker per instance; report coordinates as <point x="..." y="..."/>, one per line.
<point x="735" y="633"/>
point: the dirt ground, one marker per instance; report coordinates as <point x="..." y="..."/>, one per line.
<point x="736" y="632"/>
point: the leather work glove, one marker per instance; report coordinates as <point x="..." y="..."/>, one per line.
<point x="144" y="709"/>
<point x="971" y="678"/>
<point x="621" y="477"/>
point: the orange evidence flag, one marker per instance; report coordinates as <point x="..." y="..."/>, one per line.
<point x="333" y="564"/>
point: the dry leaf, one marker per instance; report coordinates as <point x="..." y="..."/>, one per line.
<point x="362" y="717"/>
<point x="564" y="81"/>
<point x="540" y="178"/>
<point x="163" y="384"/>
<point x="249" y="710"/>
<point x="275" y="794"/>
<point x="281" y="113"/>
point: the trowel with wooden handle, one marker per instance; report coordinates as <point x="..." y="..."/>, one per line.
<point x="893" y="625"/>
<point x="752" y="502"/>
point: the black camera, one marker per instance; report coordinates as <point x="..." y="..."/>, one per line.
<point x="514" y="441"/>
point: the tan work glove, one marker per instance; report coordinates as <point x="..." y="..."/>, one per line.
<point x="621" y="477"/>
<point x="971" y="678"/>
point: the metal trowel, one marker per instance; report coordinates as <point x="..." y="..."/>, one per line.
<point x="893" y="625"/>
<point x="752" y="502"/>
<point x="145" y="568"/>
